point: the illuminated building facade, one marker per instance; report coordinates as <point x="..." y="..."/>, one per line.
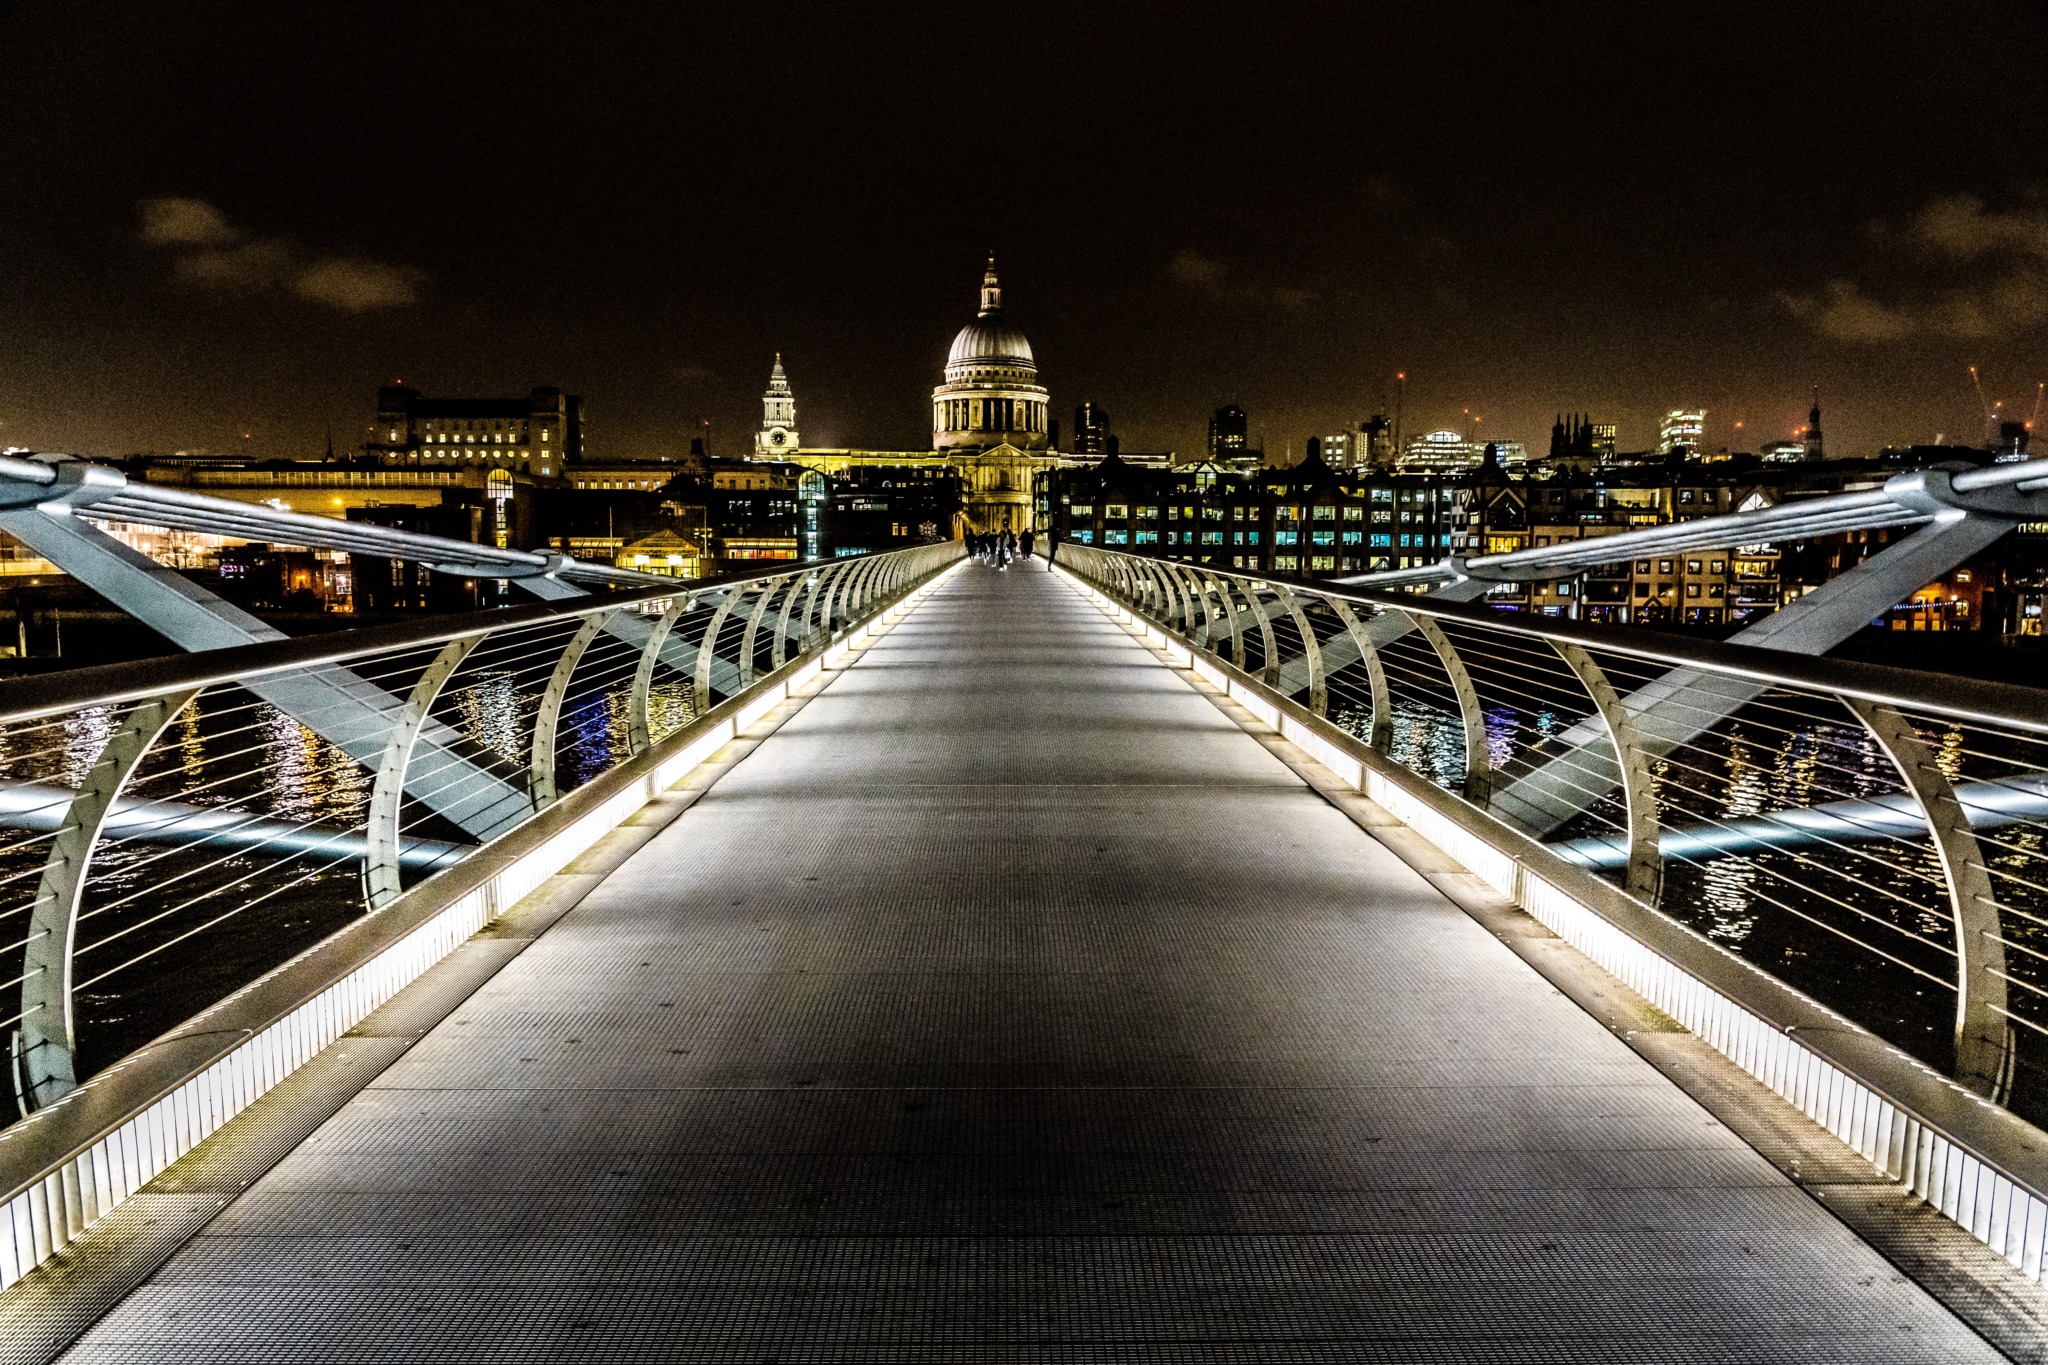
<point x="777" y="438"/>
<point x="537" y="434"/>
<point x="1682" y="429"/>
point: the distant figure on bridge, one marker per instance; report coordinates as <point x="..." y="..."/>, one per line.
<point x="1025" y="542"/>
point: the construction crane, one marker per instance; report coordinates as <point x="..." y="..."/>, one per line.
<point x="1990" y="418"/>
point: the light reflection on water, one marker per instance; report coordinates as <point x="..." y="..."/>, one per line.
<point x="1834" y="917"/>
<point x="226" y="750"/>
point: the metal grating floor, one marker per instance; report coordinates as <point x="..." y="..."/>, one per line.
<point x="1011" y="1005"/>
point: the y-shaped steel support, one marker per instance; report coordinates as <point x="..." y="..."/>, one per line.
<point x="381" y="883"/>
<point x="1269" y="672"/>
<point x="707" y="650"/>
<point x="1228" y="599"/>
<point x="1984" y="1044"/>
<point x="1478" y="758"/>
<point x="1318" y="685"/>
<point x="540" y="779"/>
<point x="799" y="588"/>
<point x="753" y="628"/>
<point x="1381" y="734"/>
<point x="1191" y="581"/>
<point x="1645" y="876"/>
<point x="639" y="736"/>
<point x="47" y="1059"/>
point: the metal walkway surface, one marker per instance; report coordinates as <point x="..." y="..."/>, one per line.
<point x="1011" y="1004"/>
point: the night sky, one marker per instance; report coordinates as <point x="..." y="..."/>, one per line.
<point x="228" y="218"/>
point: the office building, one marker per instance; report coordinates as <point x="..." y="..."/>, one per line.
<point x="537" y="434"/>
<point x="1091" y="430"/>
<point x="1682" y="430"/>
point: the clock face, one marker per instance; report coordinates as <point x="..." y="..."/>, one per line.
<point x="777" y="437"/>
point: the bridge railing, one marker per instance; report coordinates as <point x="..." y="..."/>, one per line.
<point x="171" y="830"/>
<point x="1849" y="862"/>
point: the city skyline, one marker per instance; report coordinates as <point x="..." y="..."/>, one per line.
<point x="1821" y="208"/>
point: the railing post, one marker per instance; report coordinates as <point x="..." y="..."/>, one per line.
<point x="1139" y="587"/>
<point x="700" y="685"/>
<point x="831" y="609"/>
<point x="1478" y="759"/>
<point x="1983" y="1035"/>
<point x="1158" y="601"/>
<point x="1381" y="735"/>
<point x="1197" y="592"/>
<point x="639" y="733"/>
<point x="1181" y="596"/>
<point x="1116" y="578"/>
<point x="818" y="605"/>
<point x="381" y="881"/>
<point x="1318" y="686"/>
<point x="540" y="780"/>
<point x="1269" y="671"/>
<point x="866" y="578"/>
<point x="1224" y="594"/>
<point x="799" y="584"/>
<point x="851" y="588"/>
<point x="47" y="1059"/>
<point x="876" y="590"/>
<point x="754" y="617"/>
<point x="1645" y="876"/>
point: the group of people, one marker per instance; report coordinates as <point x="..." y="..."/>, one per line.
<point x="997" y="548"/>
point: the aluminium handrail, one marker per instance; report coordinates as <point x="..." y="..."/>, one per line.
<point x="44" y="1062"/>
<point x="54" y="693"/>
<point x="1944" y="694"/>
<point x="1885" y="702"/>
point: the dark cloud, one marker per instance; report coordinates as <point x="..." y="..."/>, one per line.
<point x="1213" y="279"/>
<point x="209" y="251"/>
<point x="2010" y="298"/>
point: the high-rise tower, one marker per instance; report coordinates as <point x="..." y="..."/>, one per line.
<point x="1812" y="432"/>
<point x="777" y="439"/>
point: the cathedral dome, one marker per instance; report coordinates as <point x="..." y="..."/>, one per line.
<point x="990" y="340"/>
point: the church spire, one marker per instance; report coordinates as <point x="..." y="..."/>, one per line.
<point x="777" y="437"/>
<point x="991" y="289"/>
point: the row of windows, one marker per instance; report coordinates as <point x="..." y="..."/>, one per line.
<point x="330" y="478"/>
<point x="1117" y="535"/>
<point x="478" y="425"/>
<point x="989" y="414"/>
<point x="1714" y="590"/>
<point x="506" y="454"/>
<point x="1117" y="511"/>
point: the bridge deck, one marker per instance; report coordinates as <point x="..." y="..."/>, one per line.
<point x="1009" y="1004"/>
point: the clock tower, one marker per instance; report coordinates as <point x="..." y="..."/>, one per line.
<point x="777" y="439"/>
